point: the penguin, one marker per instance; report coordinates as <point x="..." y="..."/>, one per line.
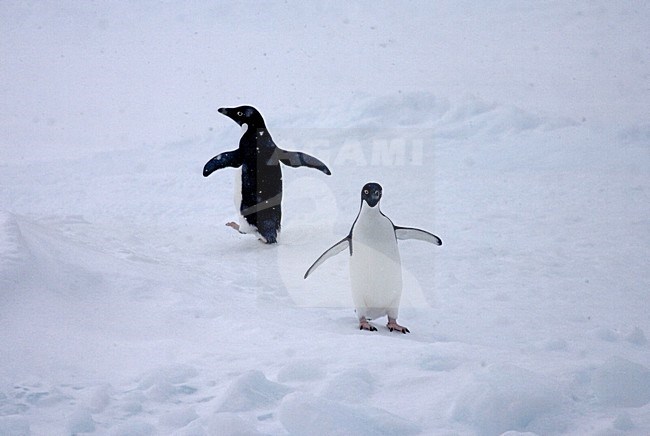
<point x="375" y="264"/>
<point x="258" y="189"/>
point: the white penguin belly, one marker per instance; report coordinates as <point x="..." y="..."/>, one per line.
<point x="375" y="268"/>
<point x="244" y="227"/>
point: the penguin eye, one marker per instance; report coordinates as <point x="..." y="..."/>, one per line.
<point x="365" y="191"/>
<point x="240" y="114"/>
<point x="376" y="192"/>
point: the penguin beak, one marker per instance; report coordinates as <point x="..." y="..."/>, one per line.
<point x="229" y="113"/>
<point x="373" y="199"/>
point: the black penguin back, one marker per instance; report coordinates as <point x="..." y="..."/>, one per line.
<point x="261" y="184"/>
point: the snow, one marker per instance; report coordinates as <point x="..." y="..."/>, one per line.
<point x="507" y="397"/>
<point x="620" y="382"/>
<point x="517" y="132"/>
<point x="304" y="414"/>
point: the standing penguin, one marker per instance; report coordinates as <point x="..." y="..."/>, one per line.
<point x="375" y="265"/>
<point x="258" y="191"/>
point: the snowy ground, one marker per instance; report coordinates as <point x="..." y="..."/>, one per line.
<point x="518" y="133"/>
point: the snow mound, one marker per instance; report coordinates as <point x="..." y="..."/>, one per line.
<point x="100" y="398"/>
<point x="164" y="384"/>
<point x="637" y="337"/>
<point x="81" y="421"/>
<point x="624" y="422"/>
<point x="620" y="382"/>
<point x="250" y="391"/>
<point x="193" y="429"/>
<point x="179" y="418"/>
<point x="304" y="414"/>
<point x="173" y="374"/>
<point x="301" y="371"/>
<point x="405" y="109"/>
<point x="467" y="117"/>
<point x="509" y="398"/>
<point x="352" y="385"/>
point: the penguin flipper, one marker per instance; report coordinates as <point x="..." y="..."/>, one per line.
<point x="299" y="159"/>
<point x="332" y="251"/>
<point x="403" y="233"/>
<point x="223" y="160"/>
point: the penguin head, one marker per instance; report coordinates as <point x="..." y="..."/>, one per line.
<point x="371" y="194"/>
<point x="244" y="115"/>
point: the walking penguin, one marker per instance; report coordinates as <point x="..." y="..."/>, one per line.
<point x="375" y="265"/>
<point x="258" y="190"/>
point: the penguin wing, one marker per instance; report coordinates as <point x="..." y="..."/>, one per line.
<point x="412" y="233"/>
<point x="332" y="251"/>
<point x="223" y="160"/>
<point x="299" y="159"/>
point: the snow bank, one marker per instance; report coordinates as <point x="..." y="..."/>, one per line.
<point x="506" y="398"/>
<point x="304" y="414"/>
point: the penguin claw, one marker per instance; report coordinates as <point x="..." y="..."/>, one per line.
<point x="393" y="326"/>
<point x="365" y="325"/>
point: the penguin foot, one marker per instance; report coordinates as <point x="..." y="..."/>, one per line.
<point x="365" y="325"/>
<point x="268" y="239"/>
<point x="393" y="326"/>
<point x="234" y="225"/>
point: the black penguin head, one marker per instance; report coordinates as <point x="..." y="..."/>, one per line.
<point x="244" y="115"/>
<point x="371" y="194"/>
